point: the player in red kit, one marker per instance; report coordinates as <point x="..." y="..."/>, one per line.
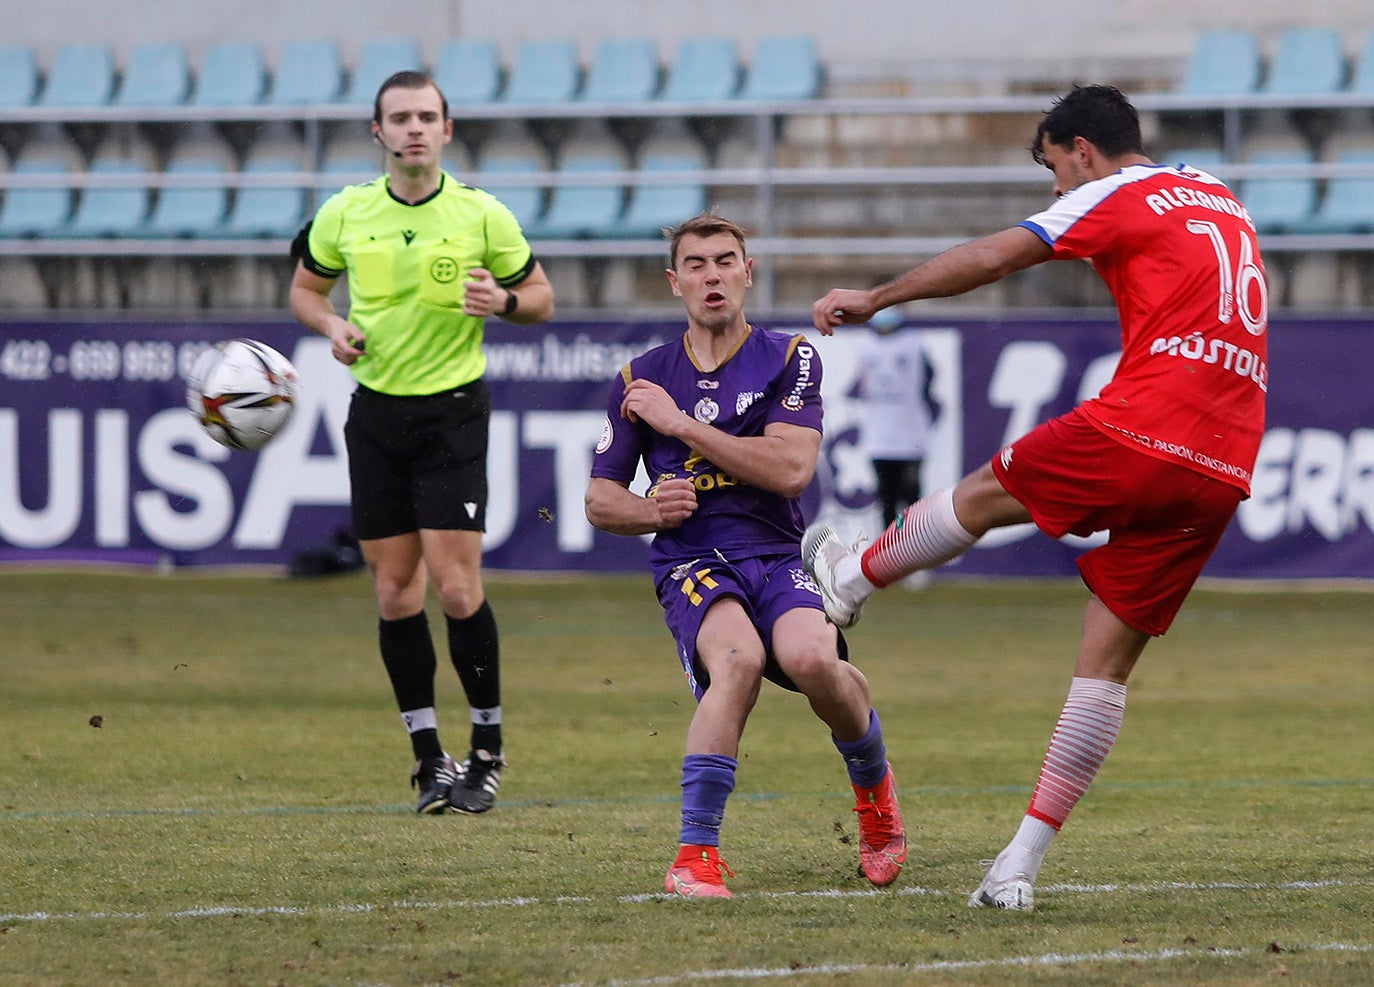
<point x="1160" y="460"/>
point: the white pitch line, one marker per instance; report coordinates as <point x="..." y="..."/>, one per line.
<point x="217" y="911"/>
<point x="938" y="966"/>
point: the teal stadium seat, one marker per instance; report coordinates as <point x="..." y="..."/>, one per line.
<point x="18" y="76"/>
<point x="1348" y="206"/>
<point x="704" y="70"/>
<point x="653" y="207"/>
<point x="111" y="211"/>
<point x="267" y="210"/>
<point x="36" y="212"/>
<point x="526" y="202"/>
<point x="1201" y="158"/>
<point x="156" y="75"/>
<point x="624" y="70"/>
<point x="1362" y="78"/>
<point x="545" y="72"/>
<point x="579" y="211"/>
<point x="379" y="60"/>
<point x="309" y="70"/>
<point x="344" y="170"/>
<point x="1280" y="205"/>
<point x="184" y="211"/>
<point x="1307" y="60"/>
<point x="469" y="72"/>
<point x="785" y="67"/>
<point x="1224" y="62"/>
<point x="82" y="75"/>
<point x="232" y="74"/>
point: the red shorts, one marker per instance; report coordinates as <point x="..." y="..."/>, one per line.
<point x="1164" y="520"/>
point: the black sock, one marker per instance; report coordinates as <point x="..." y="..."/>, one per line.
<point x="408" y="654"/>
<point x="474" y="646"/>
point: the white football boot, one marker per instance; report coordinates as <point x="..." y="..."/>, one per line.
<point x="822" y="551"/>
<point x="1014" y="894"/>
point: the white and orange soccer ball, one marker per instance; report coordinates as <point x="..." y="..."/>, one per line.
<point x="242" y="392"/>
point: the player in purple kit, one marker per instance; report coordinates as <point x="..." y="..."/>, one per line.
<point x="727" y="421"/>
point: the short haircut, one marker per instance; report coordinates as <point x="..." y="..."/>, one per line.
<point x="407" y="79"/>
<point x="1101" y="115"/>
<point x="707" y="224"/>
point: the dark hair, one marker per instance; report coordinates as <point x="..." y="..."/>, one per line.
<point x="707" y="224"/>
<point x="1101" y="115"/>
<point x="407" y="79"/>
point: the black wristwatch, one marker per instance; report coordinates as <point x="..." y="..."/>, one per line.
<point x="512" y="302"/>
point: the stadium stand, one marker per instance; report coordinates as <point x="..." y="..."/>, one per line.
<point x="651" y="208"/>
<point x="111" y="211"/>
<point x="309" y="70"/>
<point x="267" y="210"/>
<point x="583" y="210"/>
<point x="1224" y="62"/>
<point x="525" y="201"/>
<point x="379" y="59"/>
<point x="1280" y="204"/>
<point x="544" y="72"/>
<point x="34" y="212"/>
<point x="1348" y="205"/>
<point x="1307" y="60"/>
<point x="18" y="76"/>
<point x="1362" y="74"/>
<point x="624" y="70"/>
<point x="469" y="72"/>
<point x="704" y="70"/>
<point x="184" y="211"/>
<point x="81" y="75"/>
<point x="783" y="67"/>
<point x="156" y="75"/>
<point x="232" y="74"/>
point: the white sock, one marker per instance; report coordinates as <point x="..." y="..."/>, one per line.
<point x="1026" y="851"/>
<point x="420" y="719"/>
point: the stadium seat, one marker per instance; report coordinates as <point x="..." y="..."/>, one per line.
<point x="380" y="58"/>
<point x="81" y="75"/>
<point x="544" y="72"/>
<point x="1279" y="204"/>
<point x="1348" y="206"/>
<point x="525" y="201"/>
<point x="345" y="169"/>
<point x="583" y="210"/>
<point x="18" y="76"/>
<point x="267" y="210"/>
<point x="624" y="70"/>
<point x="308" y="71"/>
<point x="1362" y="77"/>
<point x="184" y="211"/>
<point x="232" y="74"/>
<point x="1225" y="62"/>
<point x="157" y="75"/>
<point x="111" y="211"/>
<point x="653" y="207"/>
<point x="705" y="70"/>
<point x="469" y="72"/>
<point x="785" y="66"/>
<point x="1307" y="60"/>
<point x="34" y="212"/>
<point x="1202" y="158"/>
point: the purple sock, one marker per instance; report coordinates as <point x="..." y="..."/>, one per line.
<point x="707" y="781"/>
<point x="866" y="758"/>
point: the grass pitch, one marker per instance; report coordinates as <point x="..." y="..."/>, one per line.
<point x="205" y="783"/>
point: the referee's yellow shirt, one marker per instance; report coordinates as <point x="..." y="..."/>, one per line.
<point x="406" y="265"/>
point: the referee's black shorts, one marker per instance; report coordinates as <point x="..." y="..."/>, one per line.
<point x="418" y="462"/>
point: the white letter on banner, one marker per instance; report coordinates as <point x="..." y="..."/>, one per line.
<point x="503" y="479"/>
<point x="286" y="474"/>
<point x="1317" y="467"/>
<point x="111" y="487"/>
<point x="58" y="520"/>
<point x="572" y="435"/>
<point x="196" y="482"/>
<point x="1357" y="501"/>
<point x="1262" y="516"/>
<point x="1027" y="375"/>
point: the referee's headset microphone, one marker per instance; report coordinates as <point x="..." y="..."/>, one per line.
<point x="383" y="145"/>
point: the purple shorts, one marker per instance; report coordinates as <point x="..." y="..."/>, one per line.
<point x="767" y="587"/>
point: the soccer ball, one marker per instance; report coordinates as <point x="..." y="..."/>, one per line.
<point x="242" y="392"/>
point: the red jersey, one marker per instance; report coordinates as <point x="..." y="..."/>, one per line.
<point x="1179" y="255"/>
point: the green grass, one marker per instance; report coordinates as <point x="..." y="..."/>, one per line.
<point x="241" y="814"/>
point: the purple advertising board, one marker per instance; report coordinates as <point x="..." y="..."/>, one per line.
<point x="100" y="461"/>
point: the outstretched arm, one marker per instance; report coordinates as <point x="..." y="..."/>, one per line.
<point x="957" y="270"/>
<point x="610" y="506"/>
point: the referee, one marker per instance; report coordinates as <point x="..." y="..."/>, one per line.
<point x="428" y="259"/>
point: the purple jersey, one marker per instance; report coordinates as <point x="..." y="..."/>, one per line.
<point x="771" y="377"/>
